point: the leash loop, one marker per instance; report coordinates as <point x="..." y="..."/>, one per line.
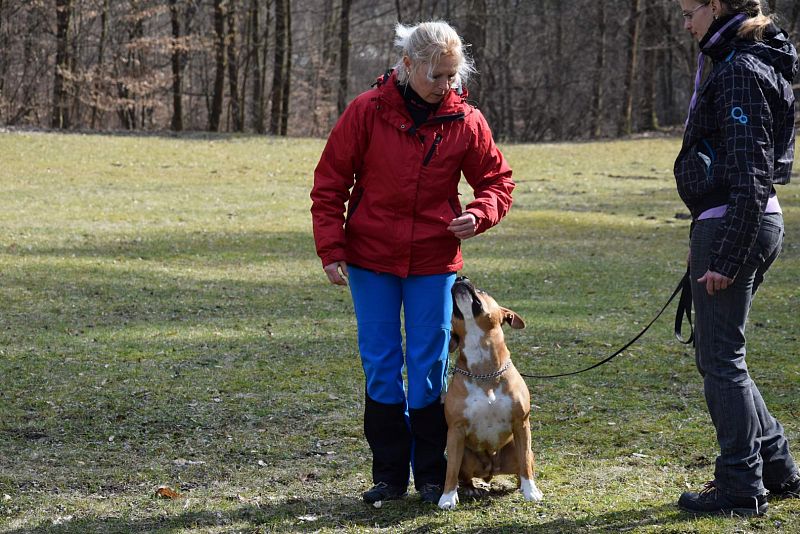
<point x="684" y="287"/>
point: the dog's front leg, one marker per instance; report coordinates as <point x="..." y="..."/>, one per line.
<point x="522" y="442"/>
<point x="456" y="434"/>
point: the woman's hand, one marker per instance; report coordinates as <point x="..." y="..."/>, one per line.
<point x="463" y="226"/>
<point x="337" y="273"/>
<point x="714" y="282"/>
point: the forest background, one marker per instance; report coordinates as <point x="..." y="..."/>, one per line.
<point x="548" y="69"/>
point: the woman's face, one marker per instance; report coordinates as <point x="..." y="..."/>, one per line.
<point x="432" y="89"/>
<point x="697" y="17"/>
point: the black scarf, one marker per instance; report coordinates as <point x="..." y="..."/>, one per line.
<point x="419" y="109"/>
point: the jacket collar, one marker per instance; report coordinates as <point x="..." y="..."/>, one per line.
<point x="452" y="103"/>
<point x="721" y="36"/>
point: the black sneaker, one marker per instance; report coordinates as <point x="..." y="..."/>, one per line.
<point x="712" y="502"/>
<point x="788" y="490"/>
<point x="383" y="492"/>
<point x="430" y="493"/>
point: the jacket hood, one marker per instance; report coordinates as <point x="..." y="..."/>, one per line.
<point x="775" y="49"/>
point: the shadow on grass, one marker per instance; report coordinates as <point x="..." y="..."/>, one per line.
<point x="347" y="512"/>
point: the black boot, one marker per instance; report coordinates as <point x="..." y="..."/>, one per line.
<point x="710" y="501"/>
<point x="429" y="429"/>
<point x="389" y="439"/>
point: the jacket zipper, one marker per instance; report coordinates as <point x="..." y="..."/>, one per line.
<point x="429" y="155"/>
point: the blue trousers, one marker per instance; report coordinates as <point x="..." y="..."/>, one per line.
<point x="754" y="452"/>
<point x="427" y="307"/>
<point x="404" y="428"/>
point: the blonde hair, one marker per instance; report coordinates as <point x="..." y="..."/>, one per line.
<point x="753" y="27"/>
<point x="427" y="42"/>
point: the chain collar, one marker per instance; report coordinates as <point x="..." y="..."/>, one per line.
<point x="483" y="377"/>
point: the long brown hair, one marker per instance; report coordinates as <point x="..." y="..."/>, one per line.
<point x="753" y="27"/>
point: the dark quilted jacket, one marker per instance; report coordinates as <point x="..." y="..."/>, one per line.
<point x="739" y="138"/>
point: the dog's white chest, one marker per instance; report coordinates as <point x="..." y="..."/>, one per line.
<point x="489" y="416"/>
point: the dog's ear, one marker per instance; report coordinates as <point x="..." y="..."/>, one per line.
<point x="511" y="318"/>
<point x="454" y="339"/>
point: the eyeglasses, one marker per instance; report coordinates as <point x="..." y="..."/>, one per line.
<point x="689" y="15"/>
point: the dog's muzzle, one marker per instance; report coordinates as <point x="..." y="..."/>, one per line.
<point x="463" y="286"/>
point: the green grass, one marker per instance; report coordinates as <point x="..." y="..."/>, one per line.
<point x="165" y="321"/>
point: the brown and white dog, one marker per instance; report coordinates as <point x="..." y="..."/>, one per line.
<point x="487" y="405"/>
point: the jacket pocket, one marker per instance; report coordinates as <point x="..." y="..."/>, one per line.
<point x="436" y="140"/>
<point x="352" y="204"/>
<point x="707" y="155"/>
<point x="455" y="205"/>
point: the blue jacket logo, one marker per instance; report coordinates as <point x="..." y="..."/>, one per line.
<point x="738" y="115"/>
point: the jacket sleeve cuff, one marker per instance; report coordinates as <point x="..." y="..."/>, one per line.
<point x="481" y="221"/>
<point x="331" y="258"/>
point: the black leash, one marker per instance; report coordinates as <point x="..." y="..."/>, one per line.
<point x="684" y="309"/>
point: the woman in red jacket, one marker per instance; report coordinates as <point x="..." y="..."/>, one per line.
<point x="395" y="158"/>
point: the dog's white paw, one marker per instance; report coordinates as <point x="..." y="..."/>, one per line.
<point x="529" y="490"/>
<point x="448" y="500"/>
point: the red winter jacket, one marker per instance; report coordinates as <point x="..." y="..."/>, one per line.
<point x="401" y="184"/>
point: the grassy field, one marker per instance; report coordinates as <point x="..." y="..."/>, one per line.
<point x="164" y="321"/>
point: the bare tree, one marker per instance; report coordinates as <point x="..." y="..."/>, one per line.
<point x="651" y="58"/>
<point x="287" y="70"/>
<point x="219" y="77"/>
<point x="282" y="64"/>
<point x="344" y="55"/>
<point x="177" y="68"/>
<point x="163" y="63"/>
<point x="254" y="57"/>
<point x="626" y="117"/>
<point x="233" y="70"/>
<point x="63" y="16"/>
<point x="599" y="70"/>
<point x="475" y="35"/>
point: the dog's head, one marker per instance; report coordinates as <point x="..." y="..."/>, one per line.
<point x="474" y="308"/>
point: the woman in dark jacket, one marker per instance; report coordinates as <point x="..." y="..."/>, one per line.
<point x="396" y="157"/>
<point x="738" y="144"/>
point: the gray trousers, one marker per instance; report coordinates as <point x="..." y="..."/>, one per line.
<point x="754" y="452"/>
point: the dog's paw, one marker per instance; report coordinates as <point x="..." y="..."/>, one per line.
<point x="529" y="490"/>
<point x="448" y="500"/>
<point x="472" y="492"/>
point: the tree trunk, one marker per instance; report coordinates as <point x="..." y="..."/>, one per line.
<point x="599" y="69"/>
<point x="398" y="11"/>
<point x="475" y="35"/>
<point x="262" y="105"/>
<point x="344" y="56"/>
<point x="625" y="126"/>
<point x="287" y="68"/>
<point x="4" y="60"/>
<point x="177" y="68"/>
<point x="651" y="57"/>
<point x="279" y="67"/>
<point x="101" y="52"/>
<point x="257" y="103"/>
<point x="233" y="69"/>
<point x="793" y="30"/>
<point x="219" y="76"/>
<point x="60" y="112"/>
<point x="773" y="5"/>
